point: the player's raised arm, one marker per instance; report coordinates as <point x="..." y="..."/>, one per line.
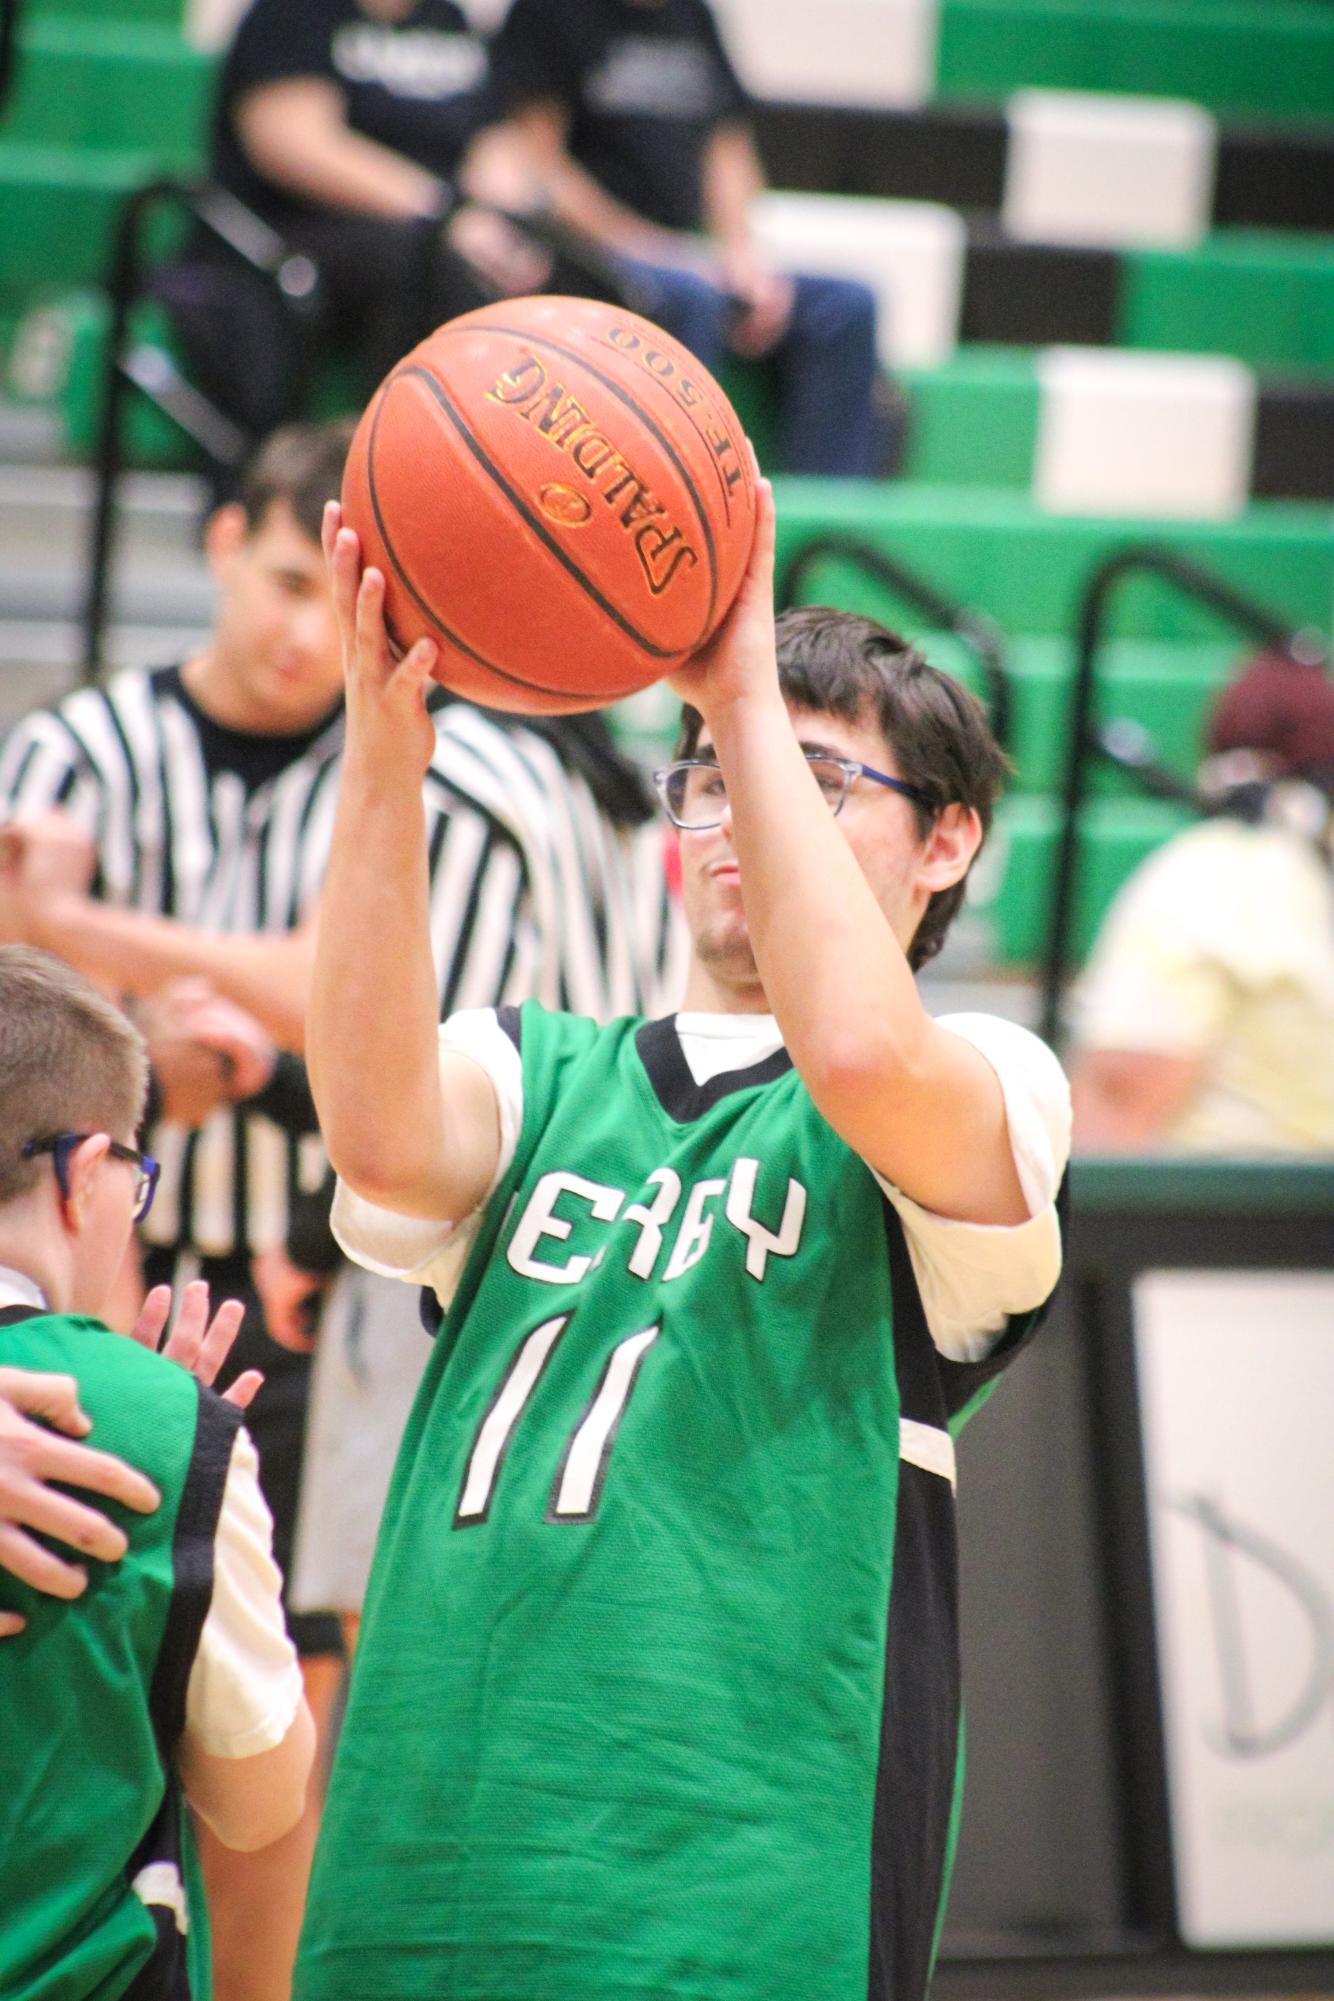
<point x="396" y="1134"/>
<point x="830" y="927"/>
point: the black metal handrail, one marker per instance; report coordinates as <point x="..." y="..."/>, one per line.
<point x="9" y="29"/>
<point x="151" y="372"/>
<point x="972" y="627"/>
<point x="1125" y="744"/>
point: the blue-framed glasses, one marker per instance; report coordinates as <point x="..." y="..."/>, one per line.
<point x="694" y="792"/>
<point x="61" y="1145"/>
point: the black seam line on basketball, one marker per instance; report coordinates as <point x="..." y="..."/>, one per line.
<point x="516" y="499"/>
<point x="713" y="459"/>
<point x="622" y="395"/>
<point x="610" y="383"/>
<point x="515" y="680"/>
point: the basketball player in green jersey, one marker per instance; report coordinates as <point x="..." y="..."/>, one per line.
<point x="658" y="1687"/>
<point x="166" y="1671"/>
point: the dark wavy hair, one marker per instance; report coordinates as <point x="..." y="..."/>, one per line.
<point x="835" y="663"/>
<point x="301" y="464"/>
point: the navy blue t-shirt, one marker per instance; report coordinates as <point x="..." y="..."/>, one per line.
<point x="420" y="85"/>
<point x="643" y="86"/>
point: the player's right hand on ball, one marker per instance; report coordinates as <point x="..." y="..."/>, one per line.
<point x="387" y="718"/>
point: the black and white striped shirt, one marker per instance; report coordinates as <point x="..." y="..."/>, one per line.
<point x="219" y="829"/>
<point x="535" y="890"/>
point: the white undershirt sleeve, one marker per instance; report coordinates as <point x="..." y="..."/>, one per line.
<point x="421" y="1250"/>
<point x="973" y="1276"/>
<point x="245" y="1685"/>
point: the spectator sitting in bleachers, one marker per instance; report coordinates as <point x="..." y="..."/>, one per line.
<point x="351" y="127"/>
<point x="1205" y="1018"/>
<point x="637" y="128"/>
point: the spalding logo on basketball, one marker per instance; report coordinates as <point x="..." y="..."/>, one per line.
<point x="559" y="495"/>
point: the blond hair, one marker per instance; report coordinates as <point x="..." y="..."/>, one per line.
<point x="70" y="1061"/>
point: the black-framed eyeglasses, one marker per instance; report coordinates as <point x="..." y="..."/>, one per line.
<point x="694" y="792"/>
<point x="61" y="1145"/>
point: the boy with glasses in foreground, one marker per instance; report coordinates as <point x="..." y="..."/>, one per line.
<point x="660" y="1644"/>
<point x="169" y="1666"/>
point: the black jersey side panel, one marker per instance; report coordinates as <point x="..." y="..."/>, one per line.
<point x="166" y="1975"/>
<point x="919" y="1742"/>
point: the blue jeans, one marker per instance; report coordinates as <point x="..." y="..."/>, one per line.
<point x="825" y="363"/>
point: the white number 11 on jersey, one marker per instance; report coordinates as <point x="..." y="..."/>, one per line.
<point x="577" y="1487"/>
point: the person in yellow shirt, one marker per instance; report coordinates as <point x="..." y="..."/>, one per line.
<point x="1204" y="1021"/>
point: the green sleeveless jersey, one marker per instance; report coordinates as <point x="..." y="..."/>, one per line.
<point x="93" y="1900"/>
<point x="657" y="1690"/>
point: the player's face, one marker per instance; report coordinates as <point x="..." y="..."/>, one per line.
<point x="879" y="826"/>
<point x="274" y="666"/>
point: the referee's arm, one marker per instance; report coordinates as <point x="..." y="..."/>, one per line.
<point x="135" y="953"/>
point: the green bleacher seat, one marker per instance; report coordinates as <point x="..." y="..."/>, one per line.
<point x="1261" y="58"/>
<point x="973" y="419"/>
<point x="58" y="209"/>
<point x="164" y="13"/>
<point x="1265" y="297"/>
<point x="96" y="83"/>
<point x="997" y="551"/>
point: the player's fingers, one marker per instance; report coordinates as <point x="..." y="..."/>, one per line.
<point x="757" y="586"/>
<point x="217" y="1343"/>
<point x="246" y="1388"/>
<point x="39" y="1393"/>
<point x="766" y="526"/>
<point x="69" y="1521"/>
<point x="97" y="1473"/>
<point x="414" y="670"/>
<point x="153" y="1317"/>
<point x="11" y="1623"/>
<point x="344" y="577"/>
<point x="191" y="1320"/>
<point x="372" y="640"/>
<point x="330" y="523"/>
<point x="27" y="1560"/>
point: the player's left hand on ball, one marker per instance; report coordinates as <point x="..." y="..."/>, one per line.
<point x="741" y="660"/>
<point x="386" y="694"/>
<point x="199" y="1344"/>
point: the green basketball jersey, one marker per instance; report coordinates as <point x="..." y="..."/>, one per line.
<point x="93" y="1902"/>
<point x="657" y="1693"/>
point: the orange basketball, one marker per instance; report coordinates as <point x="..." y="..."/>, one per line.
<point x="559" y="495"/>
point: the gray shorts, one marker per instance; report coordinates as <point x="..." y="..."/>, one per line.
<point x="371" y="1355"/>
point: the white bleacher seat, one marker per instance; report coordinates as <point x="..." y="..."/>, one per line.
<point x="1084" y="167"/>
<point x="209" y="24"/>
<point x="485" y="14"/>
<point x="910" y="253"/>
<point x="1143" y="434"/>
<point x="833" y="51"/>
